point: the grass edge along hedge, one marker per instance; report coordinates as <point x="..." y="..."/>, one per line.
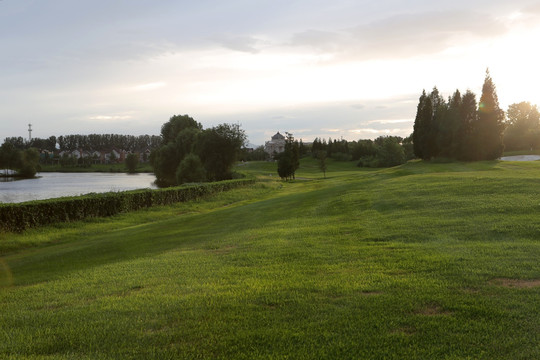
<point x="21" y="216"/>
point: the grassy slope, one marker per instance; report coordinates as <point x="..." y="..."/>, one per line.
<point x="420" y="261"/>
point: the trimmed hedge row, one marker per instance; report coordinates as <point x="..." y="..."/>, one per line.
<point x="22" y="216"/>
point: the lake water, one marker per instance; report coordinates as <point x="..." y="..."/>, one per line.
<point x="53" y="185"/>
<point x="521" y="158"/>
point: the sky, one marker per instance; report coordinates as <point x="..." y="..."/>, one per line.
<point x="351" y="69"/>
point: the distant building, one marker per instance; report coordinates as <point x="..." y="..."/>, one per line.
<point x="276" y="145"/>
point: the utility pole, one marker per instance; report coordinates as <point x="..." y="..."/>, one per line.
<point x="29" y="132"/>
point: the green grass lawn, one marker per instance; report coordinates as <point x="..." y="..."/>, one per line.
<point x="421" y="261"/>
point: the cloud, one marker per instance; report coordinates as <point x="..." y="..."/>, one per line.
<point x="110" y="117"/>
<point x="403" y="35"/>
<point x="395" y="121"/>
<point x="326" y="41"/>
<point x="358" y="106"/>
<point x="245" y="44"/>
<point x="366" y="130"/>
<point x="369" y="133"/>
<point x="149" y="86"/>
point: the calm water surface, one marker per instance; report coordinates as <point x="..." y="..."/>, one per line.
<point x="521" y="158"/>
<point x="53" y="185"/>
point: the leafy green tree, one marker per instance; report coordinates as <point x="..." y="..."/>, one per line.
<point x="466" y="145"/>
<point x="9" y="156"/>
<point x="289" y="160"/>
<point x="132" y="160"/>
<point x="294" y="149"/>
<point x="440" y="109"/>
<point x="490" y="124"/>
<point x="177" y="123"/>
<point x="391" y="153"/>
<point x="522" y="127"/>
<point x="302" y="148"/>
<point x="219" y="148"/>
<point x="112" y="157"/>
<point x="422" y="128"/>
<point x="190" y="170"/>
<point x="285" y="165"/>
<point x="447" y="136"/>
<point x="258" y="154"/>
<point x="363" y="148"/>
<point x="407" y="145"/>
<point x="165" y="161"/>
<point x="29" y="164"/>
<point x="179" y="137"/>
<point x="321" y="161"/>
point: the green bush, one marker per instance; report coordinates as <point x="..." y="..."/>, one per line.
<point x="22" y="216"/>
<point x="339" y="156"/>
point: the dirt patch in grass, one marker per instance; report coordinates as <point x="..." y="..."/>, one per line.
<point x="432" y="310"/>
<point x="222" y="250"/>
<point x="516" y="283"/>
<point x="370" y="293"/>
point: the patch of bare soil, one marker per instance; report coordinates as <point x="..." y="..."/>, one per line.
<point x="432" y="310"/>
<point x="516" y="283"/>
<point x="222" y="250"/>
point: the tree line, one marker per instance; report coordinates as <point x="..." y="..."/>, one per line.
<point x="522" y="127"/>
<point x="92" y="142"/>
<point x="459" y="128"/>
<point x="384" y="151"/>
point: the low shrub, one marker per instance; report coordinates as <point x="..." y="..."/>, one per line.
<point x="22" y="216"/>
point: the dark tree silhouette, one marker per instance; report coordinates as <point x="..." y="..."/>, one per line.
<point x="457" y="129"/>
<point x="490" y="124"/>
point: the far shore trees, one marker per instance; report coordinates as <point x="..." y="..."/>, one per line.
<point x="92" y="142"/>
<point x="132" y="160"/>
<point x="458" y="128"/>
<point x="190" y="153"/>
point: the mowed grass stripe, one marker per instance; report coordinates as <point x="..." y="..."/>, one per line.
<point x="400" y="263"/>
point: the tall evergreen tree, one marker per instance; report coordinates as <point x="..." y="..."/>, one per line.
<point x="439" y="109"/>
<point x="468" y="115"/>
<point x="289" y="160"/>
<point x="422" y="127"/>
<point x="429" y="119"/>
<point x="490" y="124"/>
<point x="449" y="126"/>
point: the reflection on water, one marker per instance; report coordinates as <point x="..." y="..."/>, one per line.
<point x="521" y="158"/>
<point x="53" y="185"/>
<point x="7" y="179"/>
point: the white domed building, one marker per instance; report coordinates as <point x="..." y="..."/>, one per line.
<point x="276" y="145"/>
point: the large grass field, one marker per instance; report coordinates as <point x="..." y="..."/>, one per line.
<point x="421" y="261"/>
